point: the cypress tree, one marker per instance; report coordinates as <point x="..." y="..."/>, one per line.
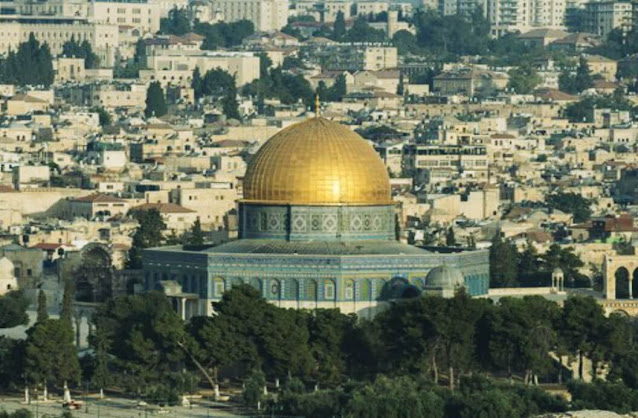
<point x="196" y="235"/>
<point x="66" y="313"/>
<point x="43" y="314"/>
<point x="155" y="100"/>
<point x="196" y="83"/>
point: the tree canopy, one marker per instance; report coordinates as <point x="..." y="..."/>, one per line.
<point x="31" y="64"/>
<point x="13" y="307"/>
<point x="177" y="22"/>
<point x="155" y="100"/>
<point x="75" y="49"/>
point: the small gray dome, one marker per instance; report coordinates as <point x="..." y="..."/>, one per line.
<point x="444" y="278"/>
<point x="557" y="270"/>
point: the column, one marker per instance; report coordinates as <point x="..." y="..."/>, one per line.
<point x="182" y="307"/>
<point x="629" y="282"/>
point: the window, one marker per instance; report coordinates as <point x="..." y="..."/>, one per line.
<point x="329" y="290"/>
<point x="219" y="287"/>
<point x="350" y="291"/>
<point x="29" y="272"/>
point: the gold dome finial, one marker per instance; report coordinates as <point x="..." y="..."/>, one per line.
<point x="317" y="105"/>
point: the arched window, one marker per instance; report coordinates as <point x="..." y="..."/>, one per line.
<point x="218" y="287"/>
<point x="349" y="291"/>
<point x="329" y="288"/>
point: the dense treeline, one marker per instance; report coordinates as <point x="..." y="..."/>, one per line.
<point x="527" y="268"/>
<point x="31" y="64"/>
<point x="425" y="354"/>
<point x="75" y="49"/>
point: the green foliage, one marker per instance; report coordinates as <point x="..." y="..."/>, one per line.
<point x="578" y="82"/>
<point x="406" y="42"/>
<point x="11" y="363"/>
<point x="224" y="35"/>
<point x="74" y="49"/>
<point x="339" y="27"/>
<point x="230" y="105"/>
<point x="409" y="396"/>
<point x="503" y="266"/>
<point x="66" y="313"/>
<point x="177" y="22"/>
<point x="145" y="337"/>
<point x="31" y="64"/>
<point x="251" y="332"/>
<point x="455" y="34"/>
<point x="50" y="354"/>
<point x="523" y="79"/>
<point x="572" y="203"/>
<point x="43" y="313"/>
<point x="196" y="236"/>
<point x="104" y="116"/>
<point x="361" y="31"/>
<point x="254" y="388"/>
<point x="582" y="328"/>
<point x="155" y="100"/>
<point x="581" y="111"/>
<point x="148" y="234"/>
<point x="281" y="85"/>
<point x="13" y="309"/>
<point x="603" y="396"/>
<point x="619" y="44"/>
<point x="334" y="93"/>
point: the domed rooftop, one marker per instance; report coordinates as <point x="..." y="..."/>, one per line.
<point x="444" y="278"/>
<point x="317" y="162"/>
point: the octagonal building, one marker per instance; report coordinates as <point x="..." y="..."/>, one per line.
<point x="316" y="230"/>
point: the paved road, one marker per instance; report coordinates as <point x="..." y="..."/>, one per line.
<point x="119" y="408"/>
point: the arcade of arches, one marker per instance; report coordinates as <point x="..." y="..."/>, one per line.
<point x="620" y="277"/>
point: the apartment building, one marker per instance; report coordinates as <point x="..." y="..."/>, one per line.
<point x="55" y="31"/>
<point x="176" y="67"/>
<point x="352" y="56"/>
<point x="266" y="15"/>
<point x="605" y="16"/>
<point x="440" y="163"/>
<point x="141" y="14"/>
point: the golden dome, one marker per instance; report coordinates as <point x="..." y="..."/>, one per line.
<point x="317" y="162"/>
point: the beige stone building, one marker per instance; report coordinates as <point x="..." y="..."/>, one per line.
<point x="55" y="31"/>
<point x="603" y="66"/>
<point x="21" y="104"/>
<point x="69" y="69"/>
<point x="143" y="15"/>
<point x="266" y="15"/>
<point x="92" y="206"/>
<point x="176" y="67"/>
<point x="210" y="204"/>
<point x="178" y="219"/>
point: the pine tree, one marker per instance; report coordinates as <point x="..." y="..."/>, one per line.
<point x="66" y="313"/>
<point x="43" y="314"/>
<point x="155" y="100"/>
<point x="196" y="235"/>
<point x="230" y="106"/>
<point x="583" y="80"/>
<point x="339" y="27"/>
